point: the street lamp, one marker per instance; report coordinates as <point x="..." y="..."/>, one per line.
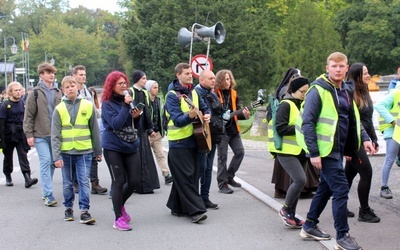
<point x="52" y="61"/>
<point x="14" y="50"/>
<point x="65" y="67"/>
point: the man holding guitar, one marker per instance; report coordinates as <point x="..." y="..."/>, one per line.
<point x="184" y="199"/>
<point x="224" y="87"/>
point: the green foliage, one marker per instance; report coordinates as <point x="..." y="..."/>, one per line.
<point x="306" y="39"/>
<point x="369" y="31"/>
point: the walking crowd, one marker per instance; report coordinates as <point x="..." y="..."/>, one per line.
<point x="72" y="131"/>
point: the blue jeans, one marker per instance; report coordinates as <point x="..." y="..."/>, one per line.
<point x="82" y="165"/>
<point x="392" y="147"/>
<point x="333" y="183"/>
<point x="206" y="161"/>
<point x="43" y="148"/>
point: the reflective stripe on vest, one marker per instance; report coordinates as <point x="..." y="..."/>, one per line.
<point x="76" y="136"/>
<point x="394" y="111"/>
<point x="178" y="133"/>
<point x="289" y="143"/>
<point x="326" y="125"/>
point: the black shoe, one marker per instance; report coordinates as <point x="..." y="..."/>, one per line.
<point x="347" y="242"/>
<point x="69" y="215"/>
<point x="198" y="217"/>
<point x="9" y="182"/>
<point x="235" y="184"/>
<point x="350" y="214"/>
<point x="29" y="182"/>
<point x="86" y="218"/>
<point x="225" y="189"/>
<point x="177" y="214"/>
<point x="168" y="179"/>
<point x="210" y="205"/>
<point x="368" y="215"/>
<point x="314" y="233"/>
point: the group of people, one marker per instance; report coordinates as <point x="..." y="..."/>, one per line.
<point x="62" y="123"/>
<point x="317" y="125"/>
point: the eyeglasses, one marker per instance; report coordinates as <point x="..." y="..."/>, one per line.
<point x="122" y="83"/>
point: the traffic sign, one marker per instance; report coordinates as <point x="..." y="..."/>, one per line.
<point x="200" y="63"/>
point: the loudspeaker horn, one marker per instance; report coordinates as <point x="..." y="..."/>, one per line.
<point x="185" y="37"/>
<point x="217" y="32"/>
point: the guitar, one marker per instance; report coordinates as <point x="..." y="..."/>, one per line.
<point x="201" y="131"/>
<point x="253" y="105"/>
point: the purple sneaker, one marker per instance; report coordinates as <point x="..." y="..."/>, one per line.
<point x="125" y="215"/>
<point x="121" y="225"/>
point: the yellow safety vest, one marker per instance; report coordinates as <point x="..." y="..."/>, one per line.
<point x="145" y="93"/>
<point x="289" y="143"/>
<point x="394" y="111"/>
<point x="76" y="136"/>
<point x="176" y="133"/>
<point x="396" y="132"/>
<point x="326" y="125"/>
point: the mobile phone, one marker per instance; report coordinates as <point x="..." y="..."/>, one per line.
<point x="140" y="106"/>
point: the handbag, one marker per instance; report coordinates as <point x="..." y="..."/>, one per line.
<point x="128" y="133"/>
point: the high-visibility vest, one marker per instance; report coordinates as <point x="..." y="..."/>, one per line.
<point x="76" y="136"/>
<point x="396" y="132"/>
<point x="178" y="133"/>
<point x="394" y="111"/>
<point x="289" y="143"/>
<point x="326" y="125"/>
<point x="146" y="94"/>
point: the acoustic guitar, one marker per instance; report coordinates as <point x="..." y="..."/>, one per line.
<point x="201" y="131"/>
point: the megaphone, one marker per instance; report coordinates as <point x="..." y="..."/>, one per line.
<point x="217" y="32"/>
<point x="185" y="37"/>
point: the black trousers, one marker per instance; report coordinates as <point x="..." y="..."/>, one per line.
<point x="184" y="197"/>
<point x="8" y="152"/>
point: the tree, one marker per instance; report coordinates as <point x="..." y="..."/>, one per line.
<point x="369" y="32"/>
<point x="302" y="43"/>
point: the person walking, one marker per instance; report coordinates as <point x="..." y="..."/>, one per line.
<point x="148" y="173"/>
<point x="217" y="129"/>
<point x="37" y="125"/>
<point x="388" y="109"/>
<point x="12" y="135"/>
<point x="75" y="138"/>
<point x="291" y="156"/>
<point x="79" y="73"/>
<point x="184" y="198"/>
<point x="224" y="87"/>
<point x="152" y="88"/>
<point x="331" y="122"/>
<point x="120" y="144"/>
<point x="358" y="73"/>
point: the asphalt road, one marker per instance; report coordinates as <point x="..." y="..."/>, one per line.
<point x="247" y="219"/>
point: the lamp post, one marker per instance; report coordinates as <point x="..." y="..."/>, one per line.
<point x="14" y="50"/>
<point x="65" y="67"/>
<point x="52" y="61"/>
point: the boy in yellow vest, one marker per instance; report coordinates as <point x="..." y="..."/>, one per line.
<point x="75" y="136"/>
<point x="331" y="121"/>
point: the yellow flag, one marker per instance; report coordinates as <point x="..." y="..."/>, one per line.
<point x="23" y="45"/>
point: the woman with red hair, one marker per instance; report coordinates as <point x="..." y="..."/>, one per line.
<point x="120" y="144"/>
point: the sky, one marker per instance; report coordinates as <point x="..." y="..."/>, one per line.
<point x="110" y="5"/>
